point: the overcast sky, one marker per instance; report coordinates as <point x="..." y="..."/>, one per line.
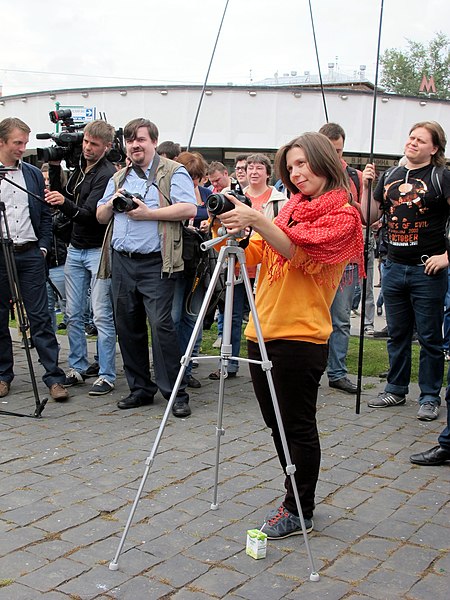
<point x="106" y="43"/>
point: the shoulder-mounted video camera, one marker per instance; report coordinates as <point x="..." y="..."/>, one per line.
<point x="69" y="141"/>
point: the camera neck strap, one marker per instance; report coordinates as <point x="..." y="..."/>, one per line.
<point x="151" y="174"/>
<point x="151" y="177"/>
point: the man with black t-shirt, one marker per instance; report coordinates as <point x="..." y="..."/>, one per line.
<point x="415" y="200"/>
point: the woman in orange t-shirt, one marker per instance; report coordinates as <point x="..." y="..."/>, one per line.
<point x="302" y="253"/>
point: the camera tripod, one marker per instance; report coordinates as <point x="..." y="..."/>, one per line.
<point x="16" y="296"/>
<point x="228" y="256"/>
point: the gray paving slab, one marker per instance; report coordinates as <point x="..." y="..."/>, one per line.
<point x="67" y="482"/>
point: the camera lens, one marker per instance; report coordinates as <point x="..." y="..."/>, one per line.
<point x="51" y="153"/>
<point x="215" y="204"/>
<point x="218" y="204"/>
<point x="120" y="204"/>
<point x="124" y="202"/>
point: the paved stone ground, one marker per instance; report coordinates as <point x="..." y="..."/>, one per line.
<point x="382" y="525"/>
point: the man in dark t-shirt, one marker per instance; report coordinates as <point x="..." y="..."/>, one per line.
<point x="414" y="199"/>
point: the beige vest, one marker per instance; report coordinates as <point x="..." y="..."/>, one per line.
<point x="170" y="232"/>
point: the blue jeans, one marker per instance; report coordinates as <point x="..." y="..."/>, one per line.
<point x="80" y="271"/>
<point x="56" y="275"/>
<point x="380" y="300"/>
<point x="183" y="321"/>
<point x="369" y="308"/>
<point x="444" y="438"/>
<point x="447" y="315"/>
<point x="236" y="326"/>
<point x="340" y="316"/>
<point x="220" y="323"/>
<point x="412" y="296"/>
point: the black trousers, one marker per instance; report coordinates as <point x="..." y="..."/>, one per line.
<point x="297" y="369"/>
<point x="140" y="293"/>
<point x="31" y="273"/>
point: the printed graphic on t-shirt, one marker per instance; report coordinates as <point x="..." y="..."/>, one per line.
<point x="416" y="213"/>
<point x="407" y="211"/>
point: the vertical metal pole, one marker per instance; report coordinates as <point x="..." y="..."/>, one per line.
<point x="206" y="78"/>
<point x="318" y="63"/>
<point x="366" y="242"/>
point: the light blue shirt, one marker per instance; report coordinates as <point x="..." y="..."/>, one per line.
<point x="142" y="236"/>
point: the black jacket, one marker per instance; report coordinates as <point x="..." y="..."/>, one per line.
<point x="61" y="226"/>
<point x="82" y="192"/>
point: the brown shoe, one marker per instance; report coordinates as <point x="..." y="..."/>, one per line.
<point x="4" y="388"/>
<point x="58" y="392"/>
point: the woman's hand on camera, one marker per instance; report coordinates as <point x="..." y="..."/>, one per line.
<point x="241" y="217"/>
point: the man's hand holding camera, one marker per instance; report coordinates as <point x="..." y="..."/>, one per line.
<point x="133" y="205"/>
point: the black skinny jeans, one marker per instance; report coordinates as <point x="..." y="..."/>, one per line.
<point x="297" y="369"/>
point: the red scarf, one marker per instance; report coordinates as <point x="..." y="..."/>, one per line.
<point x="327" y="228"/>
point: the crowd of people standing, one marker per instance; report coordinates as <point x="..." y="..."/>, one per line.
<point x="123" y="231"/>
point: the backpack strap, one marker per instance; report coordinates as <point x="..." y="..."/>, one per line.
<point x="353" y="175"/>
<point x="437" y="177"/>
<point x="275" y="208"/>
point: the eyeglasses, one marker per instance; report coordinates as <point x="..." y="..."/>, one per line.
<point x="240" y="168"/>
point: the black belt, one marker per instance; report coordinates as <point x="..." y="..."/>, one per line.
<point x="19" y="248"/>
<point x="138" y="255"/>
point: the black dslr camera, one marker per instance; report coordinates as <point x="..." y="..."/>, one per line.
<point x="124" y="202"/>
<point x="218" y="204"/>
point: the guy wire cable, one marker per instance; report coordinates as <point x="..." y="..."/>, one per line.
<point x="318" y="64"/>
<point x="367" y="238"/>
<point x="206" y="78"/>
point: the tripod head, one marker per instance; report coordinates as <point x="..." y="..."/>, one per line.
<point x="231" y="238"/>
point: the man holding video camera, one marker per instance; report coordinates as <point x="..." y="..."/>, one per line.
<point x="78" y="201"/>
<point x="146" y="254"/>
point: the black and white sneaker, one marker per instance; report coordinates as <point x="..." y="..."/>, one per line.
<point x="73" y="378"/>
<point x="385" y="399"/>
<point x="101" y="387"/>
<point x="92" y="370"/>
<point x="428" y="411"/>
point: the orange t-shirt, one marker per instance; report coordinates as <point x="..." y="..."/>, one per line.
<point x="258" y="203"/>
<point x="296" y="306"/>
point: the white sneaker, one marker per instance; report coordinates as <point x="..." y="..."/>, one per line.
<point x="218" y="342"/>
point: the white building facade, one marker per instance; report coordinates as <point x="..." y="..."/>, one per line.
<point x="235" y="119"/>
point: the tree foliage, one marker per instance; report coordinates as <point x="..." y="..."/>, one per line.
<point x="403" y="71"/>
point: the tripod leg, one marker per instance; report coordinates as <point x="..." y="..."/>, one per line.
<point x="113" y="565"/>
<point x="266" y="365"/>
<point x="225" y="353"/>
<point x="22" y="319"/>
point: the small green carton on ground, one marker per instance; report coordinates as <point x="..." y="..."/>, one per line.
<point x="256" y="543"/>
